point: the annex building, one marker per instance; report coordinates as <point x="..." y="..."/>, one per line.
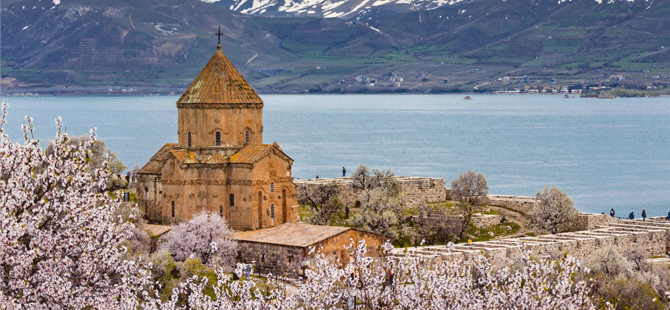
<point x="220" y="163"/>
<point x="284" y="249"/>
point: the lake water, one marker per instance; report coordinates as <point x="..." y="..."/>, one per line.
<point x="603" y="153"/>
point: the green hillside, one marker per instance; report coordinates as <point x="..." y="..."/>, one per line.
<point x="160" y="46"/>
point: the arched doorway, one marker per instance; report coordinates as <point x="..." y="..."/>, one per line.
<point x="283" y="204"/>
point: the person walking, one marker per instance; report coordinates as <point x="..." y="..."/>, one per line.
<point x="644" y="215"/>
<point x="612" y="212"/>
<point x="631" y="216"/>
<point x="667" y="218"/>
<point x="344" y="172"/>
<point x="346" y="211"/>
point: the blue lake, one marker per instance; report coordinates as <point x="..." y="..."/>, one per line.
<point x="603" y="152"/>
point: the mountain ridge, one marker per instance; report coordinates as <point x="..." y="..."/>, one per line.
<point x="346" y="9"/>
<point x="118" y="44"/>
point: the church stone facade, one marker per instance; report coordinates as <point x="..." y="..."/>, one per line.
<point x="220" y="163"/>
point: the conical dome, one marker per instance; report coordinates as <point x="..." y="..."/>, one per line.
<point x="219" y="82"/>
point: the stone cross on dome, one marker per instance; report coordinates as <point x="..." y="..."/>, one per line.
<point x="219" y="34"/>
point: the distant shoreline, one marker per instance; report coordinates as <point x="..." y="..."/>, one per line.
<point x="151" y="92"/>
<point x="141" y="94"/>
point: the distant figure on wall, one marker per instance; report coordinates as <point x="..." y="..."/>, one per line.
<point x="631" y="216"/>
<point x="612" y="212"/>
<point x="667" y="218"/>
<point x="344" y="172"/>
<point x="644" y="215"/>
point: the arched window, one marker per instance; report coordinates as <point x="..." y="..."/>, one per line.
<point x="260" y="209"/>
<point x="272" y="211"/>
<point x="246" y="137"/>
<point x="283" y="205"/>
<point x="173" y="209"/>
<point x="218" y="138"/>
<point x="221" y="211"/>
<point x="272" y="187"/>
<point x="189" y="139"/>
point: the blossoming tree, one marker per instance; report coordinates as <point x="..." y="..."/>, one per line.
<point x="205" y="236"/>
<point x="58" y="242"/>
<point x="400" y="283"/>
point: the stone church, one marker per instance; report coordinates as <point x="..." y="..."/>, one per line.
<point x="220" y="163"/>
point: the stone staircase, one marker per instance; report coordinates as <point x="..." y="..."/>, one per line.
<point x="651" y="236"/>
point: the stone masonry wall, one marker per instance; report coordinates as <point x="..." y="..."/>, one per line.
<point x="272" y="258"/>
<point x="588" y="221"/>
<point x="418" y="189"/>
<point x="414" y="188"/>
<point x="518" y="203"/>
<point x="485" y="220"/>
<point x="284" y="260"/>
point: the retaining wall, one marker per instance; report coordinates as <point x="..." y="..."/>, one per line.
<point x="518" y="203"/>
<point x="652" y="237"/>
<point x="416" y="189"/>
<point x="485" y="220"/>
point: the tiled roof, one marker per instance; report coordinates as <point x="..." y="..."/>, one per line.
<point x="216" y="159"/>
<point x="251" y="153"/>
<point x="152" y="167"/>
<point x="155" y="164"/>
<point x="181" y="155"/>
<point x="156" y="230"/>
<point x="162" y="154"/>
<point x="219" y="82"/>
<point x="292" y="234"/>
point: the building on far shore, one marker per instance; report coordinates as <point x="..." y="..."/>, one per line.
<point x="220" y="163"/>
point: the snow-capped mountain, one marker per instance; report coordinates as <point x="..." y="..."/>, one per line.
<point x="346" y="9"/>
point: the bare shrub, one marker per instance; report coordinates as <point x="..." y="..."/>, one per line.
<point x="471" y="192"/>
<point x="323" y="200"/>
<point x="363" y="179"/>
<point x="638" y="258"/>
<point x="626" y="280"/>
<point x="438" y="225"/>
<point x="382" y="214"/>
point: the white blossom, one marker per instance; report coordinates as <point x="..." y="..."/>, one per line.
<point x="400" y="283"/>
<point x="205" y="236"/>
<point x="58" y="242"/>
